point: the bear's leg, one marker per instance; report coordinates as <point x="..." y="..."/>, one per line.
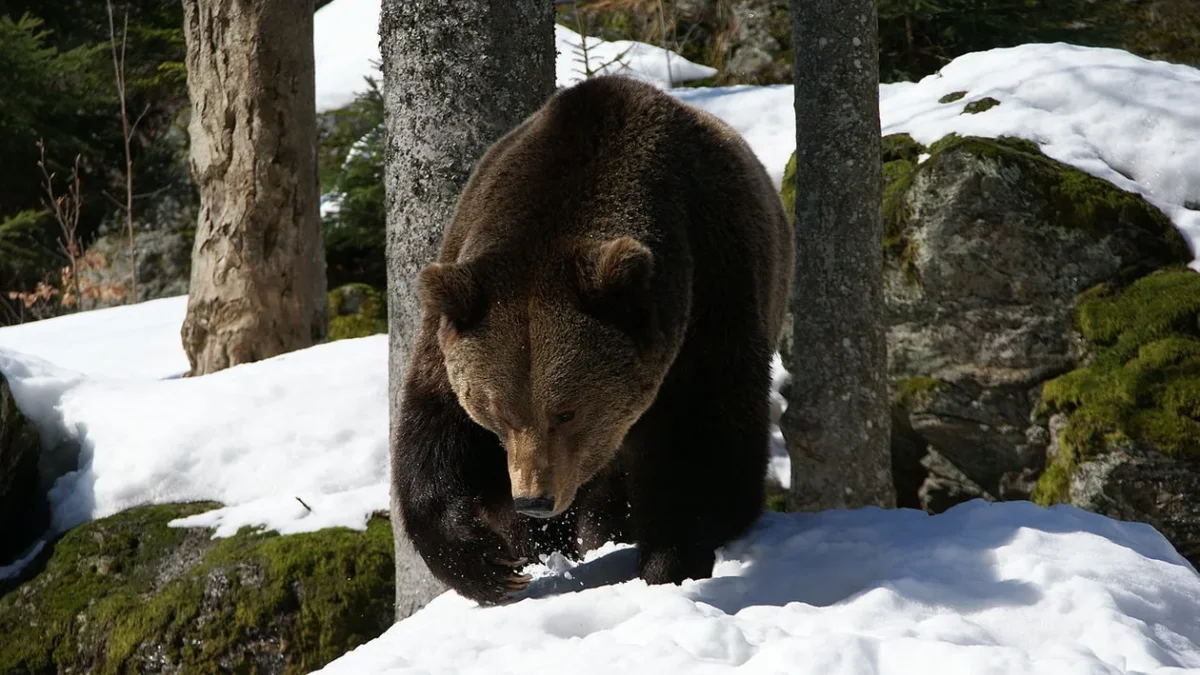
<point x="603" y="511"/>
<point x="699" y="459"/>
<point x="450" y="481"/>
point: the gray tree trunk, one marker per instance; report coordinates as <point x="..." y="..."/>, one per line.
<point x="456" y="77"/>
<point x="837" y="423"/>
<point x="258" y="263"/>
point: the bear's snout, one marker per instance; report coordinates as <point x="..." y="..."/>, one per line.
<point x="537" y="507"/>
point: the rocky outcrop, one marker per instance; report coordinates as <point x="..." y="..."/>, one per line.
<point x="164" y="259"/>
<point x="1043" y="337"/>
<point x="129" y="593"/>
<point x="989" y="242"/>
<point x="24" y="507"/>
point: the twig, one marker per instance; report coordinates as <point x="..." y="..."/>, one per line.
<point x="304" y="505"/>
<point x="127" y="132"/>
<point x="662" y="20"/>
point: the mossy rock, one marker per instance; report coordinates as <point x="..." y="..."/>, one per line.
<point x="128" y="594"/>
<point x="952" y="97"/>
<point x="1013" y="178"/>
<point x="899" y="153"/>
<point x="897" y="147"/>
<point x="1141" y="382"/>
<point x="356" y="310"/>
<point x="910" y="392"/>
<point x="787" y="188"/>
<point x="982" y="105"/>
<point x="988" y="244"/>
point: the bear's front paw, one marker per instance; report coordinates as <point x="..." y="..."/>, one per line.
<point x="480" y="566"/>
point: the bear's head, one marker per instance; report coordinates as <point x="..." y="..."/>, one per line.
<point x="558" y="357"/>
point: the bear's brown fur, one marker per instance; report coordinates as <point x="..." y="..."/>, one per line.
<point x="596" y="345"/>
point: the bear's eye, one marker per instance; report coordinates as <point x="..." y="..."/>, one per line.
<point x="560" y="418"/>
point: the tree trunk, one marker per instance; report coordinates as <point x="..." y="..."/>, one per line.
<point x="258" y="264"/>
<point x="837" y="423"/>
<point x="457" y="76"/>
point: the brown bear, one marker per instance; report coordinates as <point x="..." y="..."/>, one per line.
<point x="594" y="356"/>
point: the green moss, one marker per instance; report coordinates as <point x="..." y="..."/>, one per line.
<point x="356" y="310"/>
<point x="898" y="152"/>
<point x="952" y="97"/>
<point x="1073" y="199"/>
<point x="896" y="213"/>
<point x="900" y="147"/>
<point x="787" y="189"/>
<point x="1054" y="485"/>
<point x="1143" y="379"/>
<point x="120" y="592"/>
<point x="975" y="107"/>
<point x="913" y="392"/>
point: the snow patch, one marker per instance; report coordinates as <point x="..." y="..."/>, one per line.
<point x="310" y="425"/>
<point x="1004" y="589"/>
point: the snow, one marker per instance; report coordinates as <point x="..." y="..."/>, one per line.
<point x="130" y="342"/>
<point x="1110" y="113"/>
<point x="622" y="57"/>
<point x="983" y="588"/>
<point x="346" y="48"/>
<point x="311" y="424"/>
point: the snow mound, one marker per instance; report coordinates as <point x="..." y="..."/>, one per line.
<point x="983" y="588"/>
<point x="346" y="48"/>
<point x="1110" y="113"/>
<point x="130" y="342"/>
<point x="656" y="65"/>
<point x="1115" y="115"/>
<point x="307" y="426"/>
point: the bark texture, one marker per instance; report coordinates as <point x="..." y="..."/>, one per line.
<point x="457" y="76"/>
<point x="837" y="423"/>
<point x="258" y="263"/>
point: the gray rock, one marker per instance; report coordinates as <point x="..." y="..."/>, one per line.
<point x="164" y="265"/>
<point x="1134" y="482"/>
<point x="988" y="244"/>
<point x="24" y="506"/>
<point x="760" y="44"/>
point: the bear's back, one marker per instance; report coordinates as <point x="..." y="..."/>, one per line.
<point x="613" y="157"/>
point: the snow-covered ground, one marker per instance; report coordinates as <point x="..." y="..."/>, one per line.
<point x="138" y="342"/>
<point x="1001" y="589"/>
<point x="310" y="424"/>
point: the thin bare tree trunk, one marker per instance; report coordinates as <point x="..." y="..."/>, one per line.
<point x="258" y="265"/>
<point x="837" y="423"/>
<point x="127" y="134"/>
<point x="457" y="76"/>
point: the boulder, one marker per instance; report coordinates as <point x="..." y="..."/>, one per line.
<point x="988" y="243"/>
<point x="356" y="310"/>
<point x="164" y="259"/>
<point x="129" y="593"/>
<point x="24" y="506"/>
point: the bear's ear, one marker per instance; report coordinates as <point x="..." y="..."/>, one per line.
<point x="453" y="291"/>
<point x="617" y="267"/>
